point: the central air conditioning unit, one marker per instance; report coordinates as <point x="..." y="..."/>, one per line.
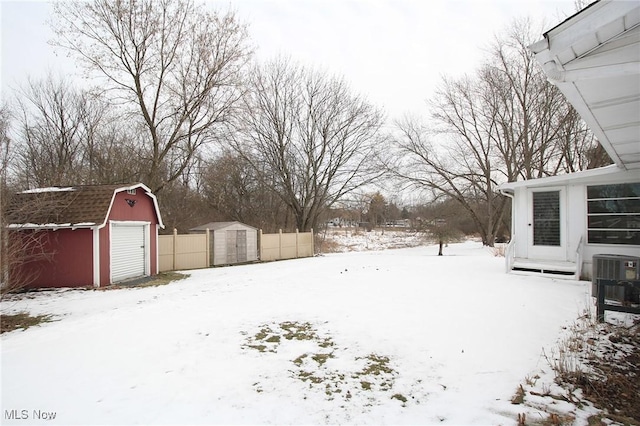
<point x="614" y="267"/>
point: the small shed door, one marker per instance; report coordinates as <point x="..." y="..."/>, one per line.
<point x="241" y="245"/>
<point x="232" y="255"/>
<point x="127" y="251"/>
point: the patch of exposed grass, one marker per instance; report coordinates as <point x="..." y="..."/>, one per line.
<point x="326" y="343"/>
<point x="308" y="376"/>
<point x="377" y="365"/>
<point x="399" y="397"/>
<point x="269" y="337"/>
<point x="321" y="358"/>
<point x="21" y="320"/>
<point x="311" y="367"/>
<point x="162" y="278"/>
<point x="259" y="348"/>
<point x="298" y="331"/>
<point x="298" y="361"/>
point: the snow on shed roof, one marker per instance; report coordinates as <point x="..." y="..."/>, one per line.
<point x="82" y="206"/>
<point x="49" y="189"/>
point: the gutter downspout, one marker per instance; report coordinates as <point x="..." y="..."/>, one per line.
<point x="508" y="253"/>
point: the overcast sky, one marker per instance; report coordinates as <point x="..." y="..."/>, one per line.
<point x="393" y="51"/>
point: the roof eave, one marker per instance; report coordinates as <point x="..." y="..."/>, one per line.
<point x="552" y="48"/>
<point x="509" y="187"/>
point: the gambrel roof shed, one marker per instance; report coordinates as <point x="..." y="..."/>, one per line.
<point x="95" y="234"/>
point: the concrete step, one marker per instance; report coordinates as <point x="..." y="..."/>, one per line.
<point x="545" y="267"/>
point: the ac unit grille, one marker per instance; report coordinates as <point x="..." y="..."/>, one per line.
<point x="614" y="267"/>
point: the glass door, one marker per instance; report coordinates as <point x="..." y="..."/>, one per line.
<point x="546" y="225"/>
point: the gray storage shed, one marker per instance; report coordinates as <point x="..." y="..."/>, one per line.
<point x="230" y="242"/>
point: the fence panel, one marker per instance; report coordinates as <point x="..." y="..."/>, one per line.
<point x="286" y="245"/>
<point x="165" y="253"/>
<point x="269" y="247"/>
<point x="305" y="244"/>
<point x="189" y="251"/>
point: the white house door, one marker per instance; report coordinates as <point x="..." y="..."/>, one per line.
<point x="127" y="251"/>
<point x="547" y="230"/>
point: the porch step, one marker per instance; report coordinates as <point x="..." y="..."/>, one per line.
<point x="546" y="267"/>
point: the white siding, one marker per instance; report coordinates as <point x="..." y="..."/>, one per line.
<point x="576" y="219"/>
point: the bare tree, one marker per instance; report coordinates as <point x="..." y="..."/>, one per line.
<point x="56" y="123"/>
<point x="4" y="165"/>
<point x="503" y="124"/>
<point x="538" y="133"/>
<point x="234" y="190"/>
<point x="377" y="209"/>
<point x="66" y="136"/>
<point x="172" y="66"/>
<point x="308" y="136"/>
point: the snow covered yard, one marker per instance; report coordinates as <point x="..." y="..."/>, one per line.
<point x="386" y="337"/>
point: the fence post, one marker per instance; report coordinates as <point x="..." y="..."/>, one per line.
<point x="175" y="244"/>
<point x="279" y="244"/>
<point x="260" y="244"/>
<point x="208" y="249"/>
<point x="313" y="241"/>
<point x="297" y="243"/>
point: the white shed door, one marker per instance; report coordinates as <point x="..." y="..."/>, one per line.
<point x="127" y="252"/>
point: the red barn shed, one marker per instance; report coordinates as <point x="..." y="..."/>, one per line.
<point x="89" y="235"/>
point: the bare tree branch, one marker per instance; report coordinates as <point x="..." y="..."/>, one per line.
<point x="172" y="65"/>
<point x="311" y="134"/>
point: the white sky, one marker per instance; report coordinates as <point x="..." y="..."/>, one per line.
<point x="393" y="51"/>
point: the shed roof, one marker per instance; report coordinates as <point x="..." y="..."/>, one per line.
<point x="215" y="226"/>
<point x="82" y="206"/>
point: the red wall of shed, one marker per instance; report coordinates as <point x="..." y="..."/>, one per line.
<point x="69" y="259"/>
<point x="143" y="210"/>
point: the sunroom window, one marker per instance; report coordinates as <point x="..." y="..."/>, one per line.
<point x="613" y="214"/>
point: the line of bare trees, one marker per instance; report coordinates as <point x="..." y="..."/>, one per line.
<point x="504" y="123"/>
<point x="176" y="100"/>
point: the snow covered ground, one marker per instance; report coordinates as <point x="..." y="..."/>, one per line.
<point x="378" y="337"/>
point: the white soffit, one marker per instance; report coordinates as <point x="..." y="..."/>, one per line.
<point x="594" y="59"/>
